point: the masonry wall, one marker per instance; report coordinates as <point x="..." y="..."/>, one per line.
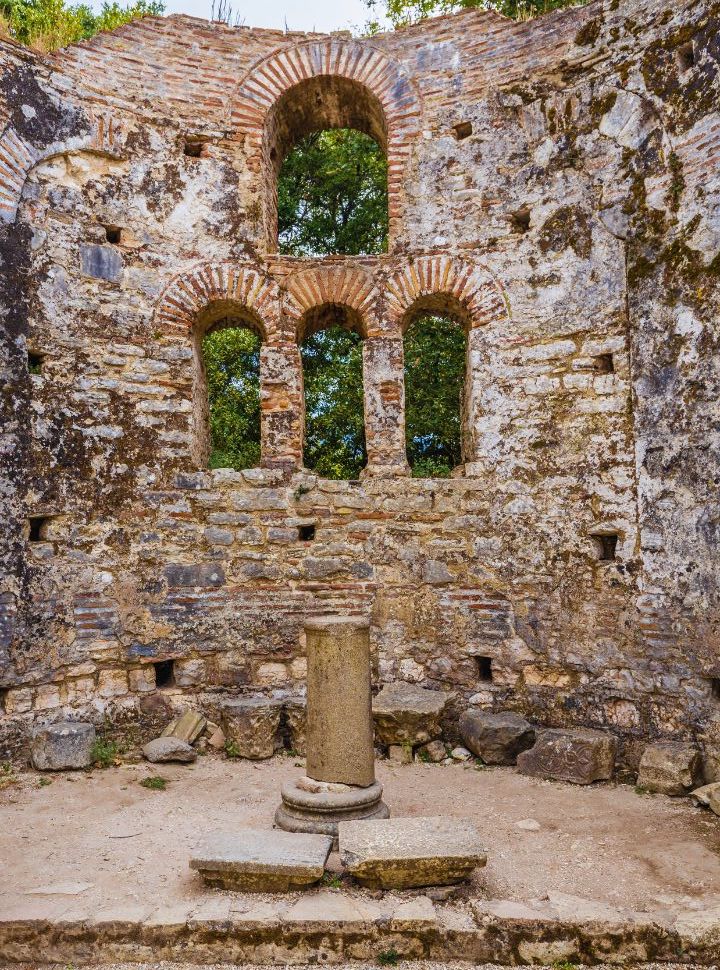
<point x="578" y="221"/>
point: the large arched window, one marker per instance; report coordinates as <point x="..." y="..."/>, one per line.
<point x="331" y="351"/>
<point x="435" y="350"/>
<point x="227" y="388"/>
<point x="325" y="147"/>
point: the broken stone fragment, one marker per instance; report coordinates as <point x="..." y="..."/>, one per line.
<point x="433" y="751"/>
<point x="579" y="756"/>
<point x="295" y="717"/>
<point x="496" y="738"/>
<point x="408" y="714"/>
<point x="400" y="853"/>
<point x="188" y="727"/>
<point x="670" y="768"/>
<point x="62" y="746"/>
<point x="251" y="725"/>
<point x="460" y="754"/>
<point x="709" y="796"/>
<point x="168" y="749"/>
<point x="251" y="860"/>
<point x="217" y="739"/>
<point x="402" y="753"/>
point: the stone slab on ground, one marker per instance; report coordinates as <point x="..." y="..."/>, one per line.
<point x="496" y="738"/>
<point x="709" y="796"/>
<point x="255" y="860"/>
<point x="578" y="756"/>
<point x="62" y="746"/>
<point x="168" y="749"/>
<point x="400" y="853"/>
<point x="408" y="714"/>
<point x="252" y="725"/>
<point x="670" y="768"/>
<point x="188" y="727"/>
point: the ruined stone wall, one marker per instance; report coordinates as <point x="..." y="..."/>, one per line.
<point x="554" y="185"/>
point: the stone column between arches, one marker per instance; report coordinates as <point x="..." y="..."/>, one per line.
<point x="282" y="406"/>
<point x="384" y="394"/>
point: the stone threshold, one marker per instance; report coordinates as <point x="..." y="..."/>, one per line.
<point x="349" y="930"/>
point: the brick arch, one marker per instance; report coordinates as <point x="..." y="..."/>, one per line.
<point x="188" y="294"/>
<point x="269" y="79"/>
<point x="467" y="284"/>
<point x="18" y="156"/>
<point x="339" y="285"/>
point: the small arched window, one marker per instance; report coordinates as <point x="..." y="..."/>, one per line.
<point x="435" y="350"/>
<point x="227" y="389"/>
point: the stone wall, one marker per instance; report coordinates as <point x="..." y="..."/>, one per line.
<point x="553" y="184"/>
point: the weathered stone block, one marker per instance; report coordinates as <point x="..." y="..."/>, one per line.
<point x="252" y="725"/>
<point x="61" y="746"/>
<point x="709" y="796"/>
<point x="101" y="262"/>
<point x="188" y="727"/>
<point x="670" y="768"/>
<point x="400" y="853"/>
<point x="168" y="749"/>
<point x="250" y="860"/>
<point x="408" y="714"/>
<point x="580" y="757"/>
<point x="433" y="751"/>
<point x="296" y="716"/>
<point x="496" y="738"/>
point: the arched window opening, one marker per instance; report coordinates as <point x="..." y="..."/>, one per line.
<point x="227" y="404"/>
<point x="331" y="351"/>
<point x="435" y="355"/>
<point x="325" y="151"/>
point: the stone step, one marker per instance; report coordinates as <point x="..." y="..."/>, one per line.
<point x="253" y="860"/>
<point x="400" y="853"/>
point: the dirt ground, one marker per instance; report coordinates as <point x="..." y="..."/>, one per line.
<point x="103" y="838"/>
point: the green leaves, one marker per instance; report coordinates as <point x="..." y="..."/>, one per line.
<point x="232" y="364"/>
<point x="49" y="24"/>
<point x="400" y="13"/>
<point x="332" y="196"/>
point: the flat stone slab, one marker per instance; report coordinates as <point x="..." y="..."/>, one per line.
<point x="400" y="853"/>
<point x="670" y="768"/>
<point x="260" y="861"/>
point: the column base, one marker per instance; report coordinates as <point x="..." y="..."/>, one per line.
<point x="316" y="806"/>
<point x="386" y="471"/>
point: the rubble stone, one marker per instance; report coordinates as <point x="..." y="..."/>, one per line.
<point x="188" y="727"/>
<point x="168" y="749"/>
<point x="580" y="757"/>
<point x="433" y="751"/>
<point x="709" y="796"/>
<point x="408" y="714"/>
<point x="62" y="746"/>
<point x="496" y="738"/>
<point x="251" y="860"/>
<point x="401" y="853"/>
<point x="252" y="725"/>
<point x="670" y="768"/>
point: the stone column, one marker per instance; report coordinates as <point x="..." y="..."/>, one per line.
<point x="481" y="424"/>
<point x="384" y="390"/>
<point x="339" y="728"/>
<point x="340" y="764"/>
<point x="282" y="406"/>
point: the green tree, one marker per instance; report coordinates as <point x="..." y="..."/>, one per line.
<point x="232" y="362"/>
<point x="49" y="24"/>
<point x="332" y="196"/>
<point x="400" y="13"/>
<point x="434" y="381"/>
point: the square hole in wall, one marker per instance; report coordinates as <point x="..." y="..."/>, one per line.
<point x="605" y="545"/>
<point x="37" y="527"/>
<point x="113" y="234"/>
<point x="164" y="673"/>
<point x="306" y="533"/>
<point x="34" y="362"/>
<point x="3" y="700"/>
<point x="484" y="669"/>
<point x="715" y="689"/>
<point x="463" y="129"/>
<point x="604" y="364"/>
<point x="193" y="147"/>
<point x="520" y="220"/>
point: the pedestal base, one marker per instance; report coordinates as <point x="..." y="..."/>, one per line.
<point x="319" y="806"/>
